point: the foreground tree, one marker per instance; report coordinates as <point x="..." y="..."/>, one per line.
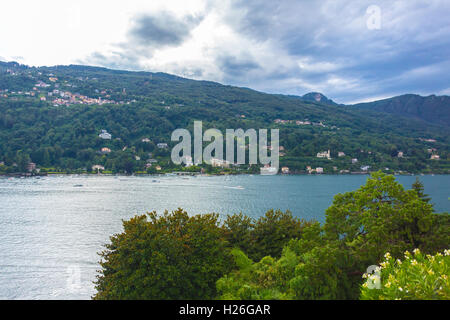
<point x="328" y="261"/>
<point x="420" y="189"/>
<point x="264" y="236"/>
<point x="173" y="256"/>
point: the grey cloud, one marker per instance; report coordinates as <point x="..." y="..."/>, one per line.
<point x="147" y="33"/>
<point x="343" y="58"/>
<point x="413" y="34"/>
<point x="234" y="66"/>
<point x="162" y="29"/>
<point x="117" y="60"/>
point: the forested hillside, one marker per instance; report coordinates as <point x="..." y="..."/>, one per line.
<point x="433" y="109"/>
<point x="53" y="116"/>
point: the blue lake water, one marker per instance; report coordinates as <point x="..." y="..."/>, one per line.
<point x="52" y="228"/>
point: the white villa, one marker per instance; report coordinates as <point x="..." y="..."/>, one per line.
<point x="219" y="163"/>
<point x="105" y="135"/>
<point x="98" y="168"/>
<point x="188" y="161"/>
<point x="324" y="154"/>
<point x="162" y="145"/>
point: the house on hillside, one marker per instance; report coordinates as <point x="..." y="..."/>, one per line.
<point x="105" y="135"/>
<point x="220" y="163"/>
<point x="162" y="145"/>
<point x="105" y="150"/>
<point x="435" y="157"/>
<point x="324" y="154"/>
<point x="187" y="160"/>
<point x="98" y="168"/>
<point x="31" y="166"/>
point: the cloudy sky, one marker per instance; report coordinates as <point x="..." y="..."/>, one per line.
<point x="347" y="49"/>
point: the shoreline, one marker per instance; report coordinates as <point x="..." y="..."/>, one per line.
<point x="179" y="174"/>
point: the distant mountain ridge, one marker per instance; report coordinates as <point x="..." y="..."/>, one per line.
<point x="433" y="109"/>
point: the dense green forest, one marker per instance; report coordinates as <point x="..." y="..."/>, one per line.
<point x="53" y="116"/>
<point x="278" y="256"/>
<point x="434" y="109"/>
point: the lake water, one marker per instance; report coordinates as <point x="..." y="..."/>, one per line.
<point x="52" y="228"/>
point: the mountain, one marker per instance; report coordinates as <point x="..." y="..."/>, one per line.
<point x="433" y="109"/>
<point x="53" y="116"/>
<point x="318" y="97"/>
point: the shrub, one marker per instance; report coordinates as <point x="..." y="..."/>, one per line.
<point x="173" y="256"/>
<point x="416" y="277"/>
<point x="265" y="236"/>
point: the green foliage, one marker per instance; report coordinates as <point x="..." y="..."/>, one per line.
<point x="253" y="281"/>
<point x="379" y="215"/>
<point x="326" y="262"/>
<point x="308" y="268"/>
<point x="416" y="277"/>
<point x="173" y="256"/>
<point x="265" y="236"/>
<point x="419" y="188"/>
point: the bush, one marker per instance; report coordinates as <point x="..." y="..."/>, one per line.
<point x="417" y="277"/>
<point x="309" y="268"/>
<point x="172" y="256"/>
<point x="266" y="236"/>
<point x="253" y="281"/>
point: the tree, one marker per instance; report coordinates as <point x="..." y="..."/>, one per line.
<point x="273" y="231"/>
<point x="327" y="262"/>
<point x="238" y="229"/>
<point x="379" y="216"/>
<point x="173" y="256"/>
<point x="22" y="159"/>
<point x="265" y="236"/>
<point x="419" y="188"/>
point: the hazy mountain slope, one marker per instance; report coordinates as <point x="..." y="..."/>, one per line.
<point x="433" y="109"/>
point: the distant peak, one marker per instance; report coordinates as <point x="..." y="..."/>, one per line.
<point x="317" y="97"/>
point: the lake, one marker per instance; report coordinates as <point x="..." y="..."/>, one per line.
<point x="52" y="228"/>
